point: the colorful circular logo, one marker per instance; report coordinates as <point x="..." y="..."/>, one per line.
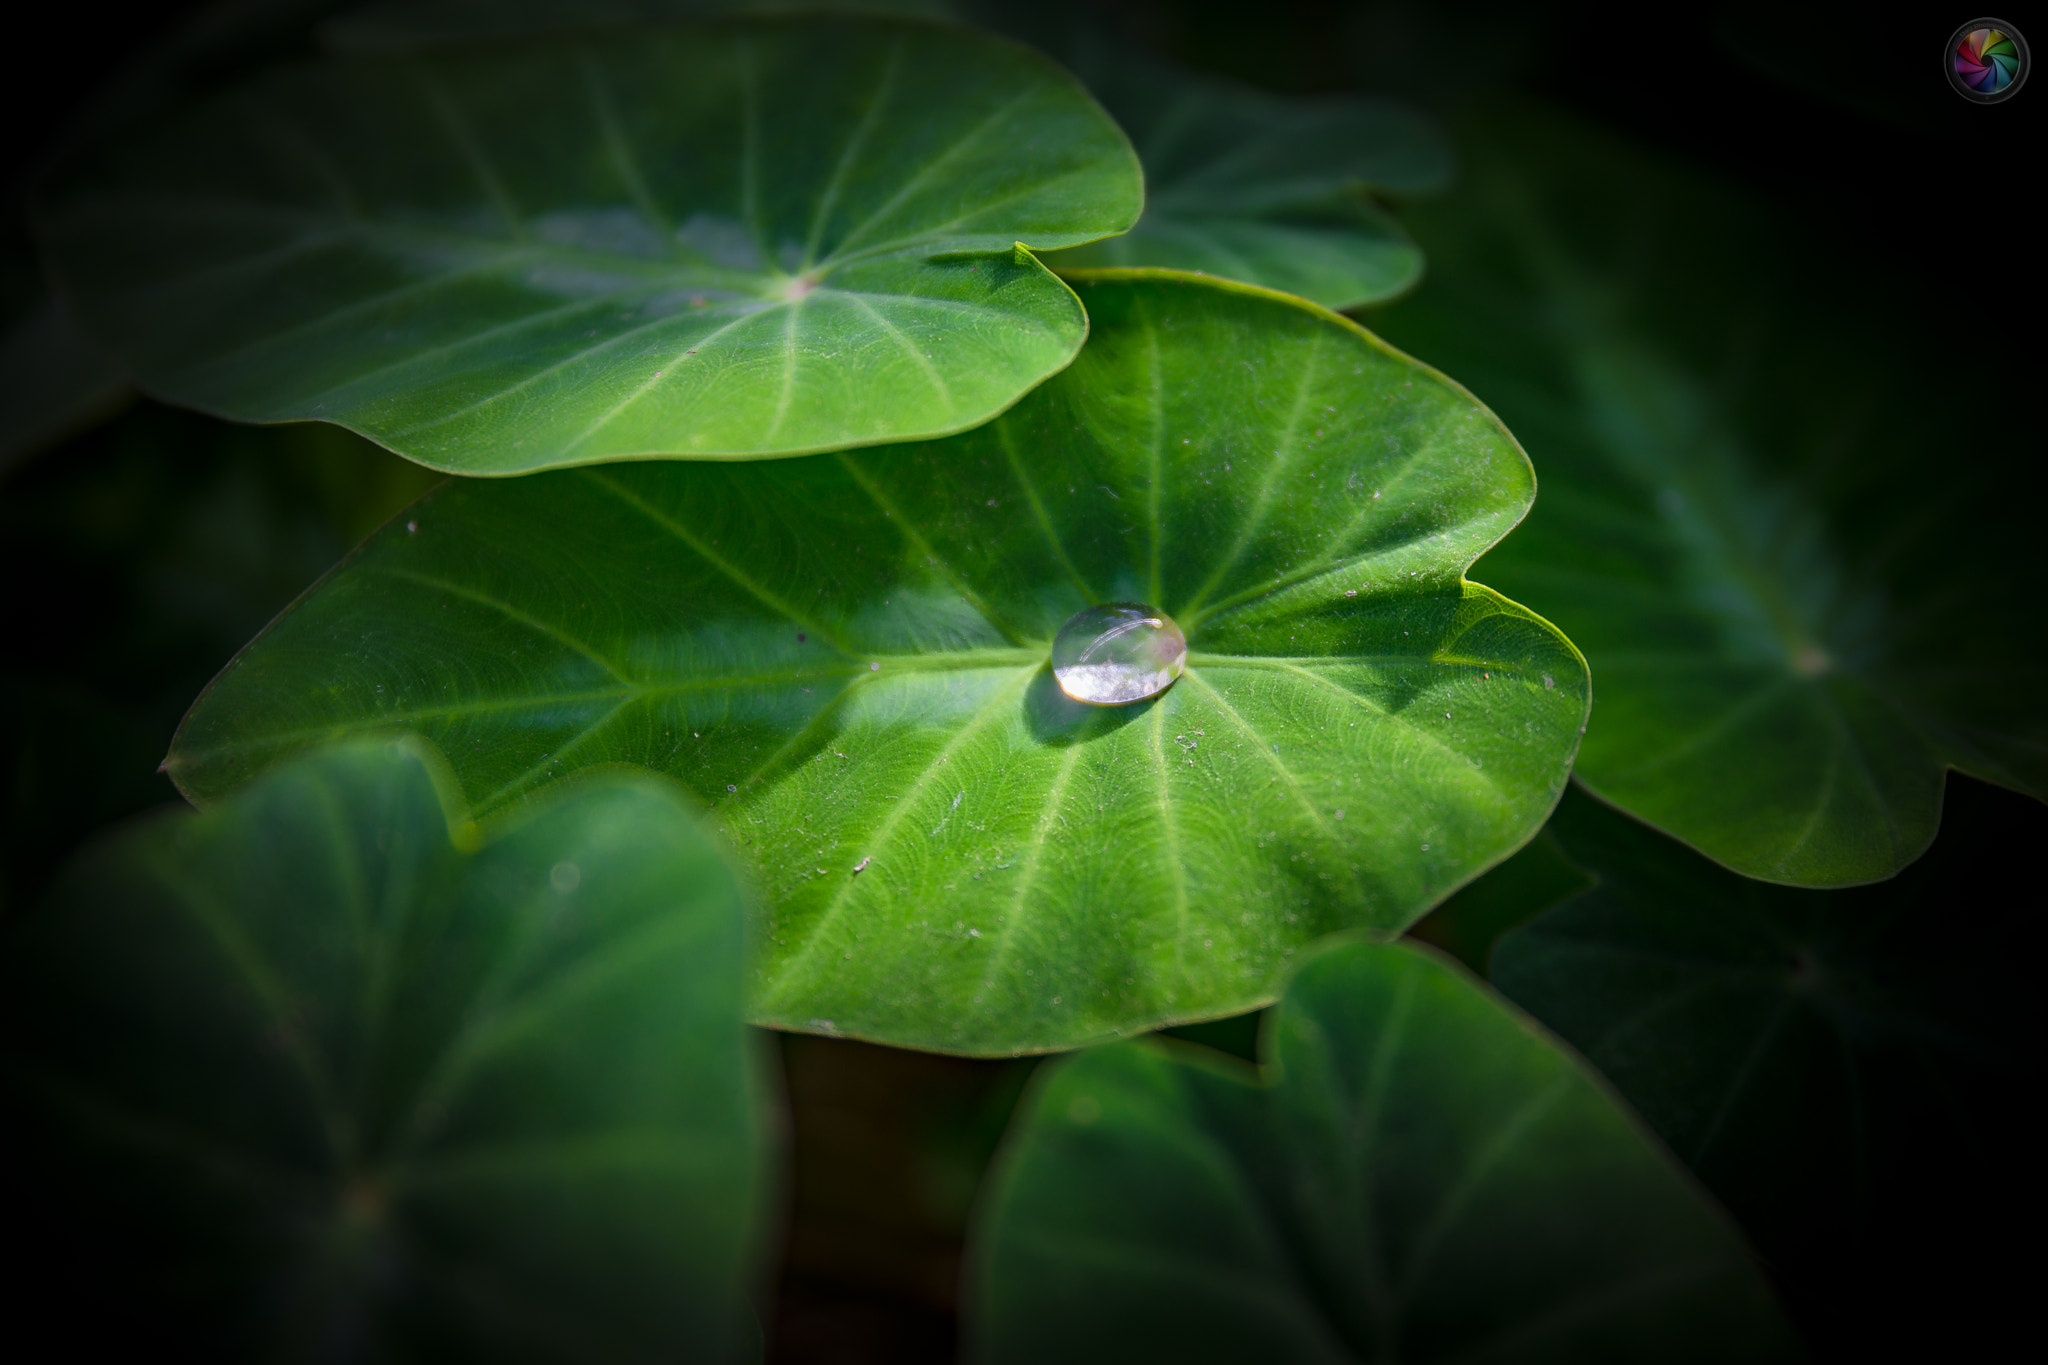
<point x="1987" y="61"/>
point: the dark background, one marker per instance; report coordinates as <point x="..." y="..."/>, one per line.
<point x="1840" y="115"/>
<point x="1839" y="111"/>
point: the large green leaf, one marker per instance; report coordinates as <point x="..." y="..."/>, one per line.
<point x="1853" y="1072"/>
<point x="739" y="239"/>
<point x="847" y="657"/>
<point x="1422" y="1176"/>
<point x="332" y="1073"/>
<point x="1798" y="571"/>
<point x="1260" y="188"/>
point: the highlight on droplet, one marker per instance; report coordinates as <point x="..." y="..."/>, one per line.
<point x="1118" y="653"/>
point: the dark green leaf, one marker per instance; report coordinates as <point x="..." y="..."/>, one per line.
<point x="331" y="1073"/>
<point x="734" y="240"/>
<point x="1258" y="188"/>
<point x="1853" y="1072"/>
<point x="1468" y="924"/>
<point x="1422" y="1176"/>
<point x="1794" y="567"/>
<point x="847" y="657"/>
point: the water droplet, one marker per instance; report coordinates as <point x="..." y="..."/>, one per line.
<point x="1117" y="653"/>
<point x="565" y="877"/>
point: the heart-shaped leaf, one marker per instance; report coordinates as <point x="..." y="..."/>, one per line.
<point x="331" y="1072"/>
<point x="1800" y="609"/>
<point x="1263" y="189"/>
<point x="848" y="658"/>
<point x="1853" y="1072"/>
<point x="1423" y="1177"/>
<point x="735" y="240"/>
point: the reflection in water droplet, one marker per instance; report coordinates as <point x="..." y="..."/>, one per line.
<point x="1117" y="653"/>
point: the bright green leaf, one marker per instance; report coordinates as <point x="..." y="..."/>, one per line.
<point x="1422" y="1176"/>
<point x="330" y="1071"/>
<point x="847" y="657"/>
<point x="1853" y="1072"/>
<point x="733" y="240"/>
<point x="1255" y="187"/>
<point x="1799" y="576"/>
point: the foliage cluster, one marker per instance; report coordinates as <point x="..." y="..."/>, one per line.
<point x="797" y="375"/>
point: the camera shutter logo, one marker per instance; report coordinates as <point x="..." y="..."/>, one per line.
<point x="1987" y="61"/>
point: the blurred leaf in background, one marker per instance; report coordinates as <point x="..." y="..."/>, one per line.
<point x="1242" y="183"/>
<point x="332" y="1073"/>
<point x="1854" y="1073"/>
<point x="54" y="379"/>
<point x="1418" y="1174"/>
<point x="1263" y="189"/>
<point x="1793" y="570"/>
<point x="141" y="557"/>
<point x="1541" y="874"/>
